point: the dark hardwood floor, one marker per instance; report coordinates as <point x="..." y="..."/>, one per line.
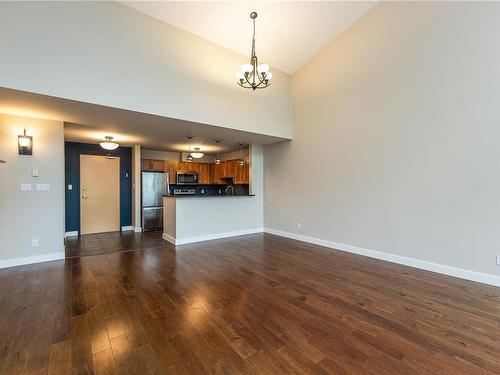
<point x="251" y="304"/>
<point x="103" y="243"/>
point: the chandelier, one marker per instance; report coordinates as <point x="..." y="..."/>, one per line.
<point x="254" y="76"/>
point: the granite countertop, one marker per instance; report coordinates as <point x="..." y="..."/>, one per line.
<point x="207" y="196"/>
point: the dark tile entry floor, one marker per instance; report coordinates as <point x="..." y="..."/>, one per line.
<point x="111" y="242"/>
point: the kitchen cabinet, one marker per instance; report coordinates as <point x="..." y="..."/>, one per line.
<point x="146" y="165"/>
<point x="208" y="173"/>
<point x="171" y="169"/>
<point x="203" y="173"/>
<point x="229" y="168"/>
<point x="152" y="165"/>
<point x="158" y="165"/>
<point x="216" y="172"/>
<point x="241" y="172"/>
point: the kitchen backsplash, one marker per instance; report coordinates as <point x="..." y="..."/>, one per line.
<point x="212" y="189"/>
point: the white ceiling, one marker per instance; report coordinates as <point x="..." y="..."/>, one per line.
<point x="289" y="33"/>
<point x="85" y="122"/>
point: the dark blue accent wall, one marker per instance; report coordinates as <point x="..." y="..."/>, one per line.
<point x="73" y="150"/>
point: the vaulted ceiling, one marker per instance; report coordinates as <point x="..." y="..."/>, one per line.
<point x="289" y="33"/>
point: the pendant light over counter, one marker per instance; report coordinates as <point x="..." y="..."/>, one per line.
<point x="217" y="158"/>
<point x="241" y="162"/>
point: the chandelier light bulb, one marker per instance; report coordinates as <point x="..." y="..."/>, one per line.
<point x="269" y="76"/>
<point x="263" y="68"/>
<point x="246" y="68"/>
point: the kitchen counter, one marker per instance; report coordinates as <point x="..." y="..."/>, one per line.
<point x="189" y="219"/>
<point x="207" y="196"/>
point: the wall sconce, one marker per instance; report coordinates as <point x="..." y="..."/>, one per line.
<point x="25" y="143"/>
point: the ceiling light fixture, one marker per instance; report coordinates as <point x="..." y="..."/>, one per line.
<point x="189" y="157"/>
<point x="217" y="159"/>
<point x="241" y="162"/>
<point x="197" y="154"/>
<point x="254" y="76"/>
<point x="108" y="144"/>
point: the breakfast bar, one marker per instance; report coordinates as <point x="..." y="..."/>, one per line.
<point x="194" y="218"/>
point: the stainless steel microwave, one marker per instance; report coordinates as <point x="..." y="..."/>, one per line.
<point x="184" y="178"/>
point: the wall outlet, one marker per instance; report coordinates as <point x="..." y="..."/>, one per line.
<point x="498" y="260"/>
<point x="299" y="225"/>
<point x="42" y="187"/>
<point x="34" y="242"/>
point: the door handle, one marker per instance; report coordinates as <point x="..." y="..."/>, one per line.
<point x="85" y="196"/>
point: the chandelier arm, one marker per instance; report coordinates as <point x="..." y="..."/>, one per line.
<point x="246" y="79"/>
<point x="263" y="87"/>
<point x="245" y="87"/>
<point x="262" y="81"/>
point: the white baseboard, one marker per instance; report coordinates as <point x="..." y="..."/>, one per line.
<point x="73" y="233"/>
<point x="208" y="237"/>
<point x="137" y="229"/>
<point x="127" y="228"/>
<point x="30" y="260"/>
<point x="168" y="238"/>
<point x="417" y="263"/>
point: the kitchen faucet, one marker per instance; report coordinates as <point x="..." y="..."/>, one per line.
<point x="232" y="189"/>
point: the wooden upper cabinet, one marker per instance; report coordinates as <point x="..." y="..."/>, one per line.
<point x="203" y="173"/>
<point x="146" y="165"/>
<point x="247" y="170"/>
<point x="241" y="172"/>
<point x="152" y="165"/>
<point x="208" y="173"/>
<point x="182" y="166"/>
<point x="230" y="168"/>
<point x="170" y="168"/>
<point x="158" y="165"/>
<point x="216" y="172"/>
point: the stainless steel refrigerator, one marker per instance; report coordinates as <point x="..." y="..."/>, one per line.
<point x="154" y="185"/>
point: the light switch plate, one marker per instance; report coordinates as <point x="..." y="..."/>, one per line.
<point x="42" y="187"/>
<point x="34" y="242"/>
<point x="34" y="173"/>
<point x="70" y="187"/>
<point x="25" y="187"/>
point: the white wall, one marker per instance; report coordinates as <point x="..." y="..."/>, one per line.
<point x="109" y="54"/>
<point x="396" y="133"/>
<point x="31" y="215"/>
